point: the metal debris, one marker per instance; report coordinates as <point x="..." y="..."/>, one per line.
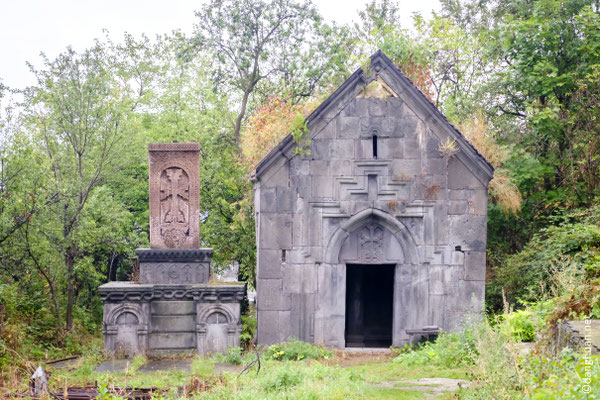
<point x="38" y="383"/>
<point x="91" y="392"/>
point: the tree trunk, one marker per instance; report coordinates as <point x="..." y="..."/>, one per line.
<point x="240" y="117"/>
<point x="50" y="286"/>
<point x="69" y="261"/>
<point x="2" y="311"/>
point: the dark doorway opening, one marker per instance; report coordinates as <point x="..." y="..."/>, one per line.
<point x="369" y="305"/>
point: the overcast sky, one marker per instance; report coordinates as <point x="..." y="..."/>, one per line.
<point x="29" y="27"/>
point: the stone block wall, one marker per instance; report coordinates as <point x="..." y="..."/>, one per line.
<point x="407" y="205"/>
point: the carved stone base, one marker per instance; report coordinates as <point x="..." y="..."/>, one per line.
<point x="159" y="319"/>
<point x="186" y="266"/>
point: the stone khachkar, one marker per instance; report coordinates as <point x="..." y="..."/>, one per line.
<point x="173" y="308"/>
<point x="174" y="195"/>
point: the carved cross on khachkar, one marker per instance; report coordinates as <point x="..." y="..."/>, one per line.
<point x="174" y="195"/>
<point x="371" y="244"/>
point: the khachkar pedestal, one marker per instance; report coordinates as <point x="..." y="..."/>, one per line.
<point x="173" y="308"/>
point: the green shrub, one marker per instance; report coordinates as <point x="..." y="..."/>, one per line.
<point x="105" y="394"/>
<point x="249" y="324"/>
<point x="519" y="325"/>
<point x="233" y="355"/>
<point x="494" y="369"/>
<point x="573" y="244"/>
<point x="449" y="350"/>
<point x="561" y="378"/>
<point x="285" y="378"/>
<point x="296" y="350"/>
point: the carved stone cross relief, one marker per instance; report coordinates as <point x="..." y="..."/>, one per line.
<point x="172" y="190"/>
<point x="371" y="243"/>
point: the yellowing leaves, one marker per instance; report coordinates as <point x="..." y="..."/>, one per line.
<point x="268" y="126"/>
<point x="503" y="190"/>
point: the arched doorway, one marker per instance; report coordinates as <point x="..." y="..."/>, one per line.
<point x="364" y="293"/>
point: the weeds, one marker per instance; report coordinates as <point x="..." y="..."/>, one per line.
<point x="562" y="378"/>
<point x="519" y="326"/>
<point x="495" y="372"/>
<point x="480" y="352"/>
<point x="233" y="355"/>
<point x="450" y="349"/>
<point x="448" y="148"/>
<point x="285" y="378"/>
<point x="249" y="324"/>
<point x="296" y="350"/>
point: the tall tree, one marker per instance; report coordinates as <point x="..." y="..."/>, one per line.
<point x="551" y="46"/>
<point x="76" y="111"/>
<point x="251" y="41"/>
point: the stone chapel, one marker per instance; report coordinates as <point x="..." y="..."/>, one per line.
<point x="380" y="230"/>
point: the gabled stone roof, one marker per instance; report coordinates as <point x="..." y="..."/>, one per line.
<point x="381" y="66"/>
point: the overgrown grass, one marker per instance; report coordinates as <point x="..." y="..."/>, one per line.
<point x="303" y="371"/>
<point x="377" y="372"/>
<point x="488" y="356"/>
<point x="233" y="355"/>
<point x="313" y="380"/>
<point x="296" y="350"/>
<point x="449" y="350"/>
<point x="483" y="353"/>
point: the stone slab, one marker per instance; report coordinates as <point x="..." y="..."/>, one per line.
<point x="174" y="195"/>
<point x="181" y="340"/>
<point x="269" y="264"/>
<point x="273" y="326"/>
<point x="113" y="366"/>
<point x="467" y="231"/>
<point x="299" y="278"/>
<point x="275" y="231"/>
<point x="66" y="364"/>
<point x="474" y="266"/>
<point x="583" y="335"/>
<point x="173" y="323"/>
<point x="471" y="296"/>
<point x="460" y="177"/>
<point x="285" y="199"/>
<point x="301" y="317"/>
<point x="172" y="307"/>
<point x="184" y="365"/>
<point x="118" y="292"/>
<point x="270" y="295"/>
